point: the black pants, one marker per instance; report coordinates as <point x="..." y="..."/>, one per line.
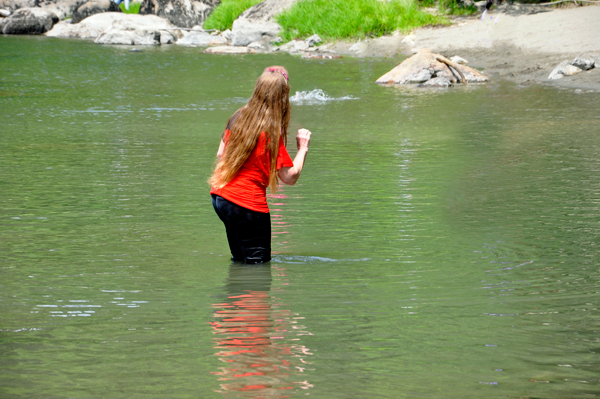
<point x="248" y="232"/>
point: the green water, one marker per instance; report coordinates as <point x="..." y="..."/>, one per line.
<point x="440" y="243"/>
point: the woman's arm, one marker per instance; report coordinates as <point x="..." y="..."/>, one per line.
<point x="290" y="175"/>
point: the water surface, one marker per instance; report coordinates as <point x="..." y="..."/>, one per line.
<point x="440" y="243"/>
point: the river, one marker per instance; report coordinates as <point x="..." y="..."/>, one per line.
<point x="441" y="243"/>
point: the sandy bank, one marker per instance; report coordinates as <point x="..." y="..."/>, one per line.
<point x="509" y="43"/>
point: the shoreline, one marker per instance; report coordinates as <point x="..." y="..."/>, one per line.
<point x="520" y="47"/>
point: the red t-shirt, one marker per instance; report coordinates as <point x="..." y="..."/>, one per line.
<point x="249" y="187"/>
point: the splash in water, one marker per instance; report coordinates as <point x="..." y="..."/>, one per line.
<point x="316" y="96"/>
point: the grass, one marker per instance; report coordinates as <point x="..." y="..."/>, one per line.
<point x="224" y="14"/>
<point x="339" y="19"/>
<point x="134" y="8"/>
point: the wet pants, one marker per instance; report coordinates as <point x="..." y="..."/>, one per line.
<point x="248" y="232"/>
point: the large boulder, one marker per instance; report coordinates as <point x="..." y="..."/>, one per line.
<point x="110" y="23"/>
<point x="258" y="21"/>
<point x="181" y="13"/>
<point x="245" y="31"/>
<point x="62" y="8"/>
<point x="14" y="5"/>
<point x="425" y="66"/>
<point x="139" y="29"/>
<point x="129" y="37"/>
<point x="29" y="21"/>
<point x="92" y="7"/>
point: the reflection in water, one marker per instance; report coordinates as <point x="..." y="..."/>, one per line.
<point x="257" y="339"/>
<point x="279" y="225"/>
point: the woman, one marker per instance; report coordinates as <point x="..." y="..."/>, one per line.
<point x="252" y="156"/>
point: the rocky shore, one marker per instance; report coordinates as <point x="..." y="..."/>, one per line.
<point x="525" y="44"/>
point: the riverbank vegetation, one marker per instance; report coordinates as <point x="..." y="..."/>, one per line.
<point x="335" y="19"/>
<point x="340" y="19"/>
<point x="134" y="8"/>
<point x="224" y="14"/>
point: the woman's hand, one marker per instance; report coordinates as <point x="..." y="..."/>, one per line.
<point x="290" y="175"/>
<point x="303" y="139"/>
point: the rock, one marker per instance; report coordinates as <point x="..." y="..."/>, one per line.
<point x="314" y="39"/>
<point x="459" y="60"/>
<point x="181" y="13"/>
<point x="266" y="10"/>
<point x="258" y="21"/>
<point x="62" y="8"/>
<point x="201" y="39"/>
<point x="264" y="44"/>
<point x="480" y="5"/>
<point x="14" y="5"/>
<point x="129" y="37"/>
<point x="227" y="34"/>
<point x="245" y="31"/>
<point x="92" y="27"/>
<point x="294" y="46"/>
<point x="426" y="65"/>
<point x="438" y="82"/>
<point x="229" y="50"/>
<point x="563" y="69"/>
<point x="168" y="37"/>
<point x="139" y="29"/>
<point x="586" y="61"/>
<point x="29" y="21"/>
<point x="93" y="7"/>
<point x="4" y="13"/>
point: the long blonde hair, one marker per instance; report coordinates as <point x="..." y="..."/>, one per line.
<point x="268" y="110"/>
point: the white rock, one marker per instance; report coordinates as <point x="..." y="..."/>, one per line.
<point x="202" y="39"/>
<point x="167" y="37"/>
<point x="314" y="39"/>
<point x="227" y="34"/>
<point x="459" y="60"/>
<point x="129" y="37"/>
<point x="563" y="69"/>
<point x="585" y="61"/>
<point x="92" y="27"/>
<point x="4" y="13"/>
<point x="245" y="31"/>
<point x="294" y="46"/>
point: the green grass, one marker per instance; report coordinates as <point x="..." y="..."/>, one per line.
<point x="339" y="19"/>
<point x="134" y="8"/>
<point x="224" y="14"/>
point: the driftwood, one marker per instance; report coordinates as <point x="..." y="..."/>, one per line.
<point x="453" y="65"/>
<point x="431" y="69"/>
